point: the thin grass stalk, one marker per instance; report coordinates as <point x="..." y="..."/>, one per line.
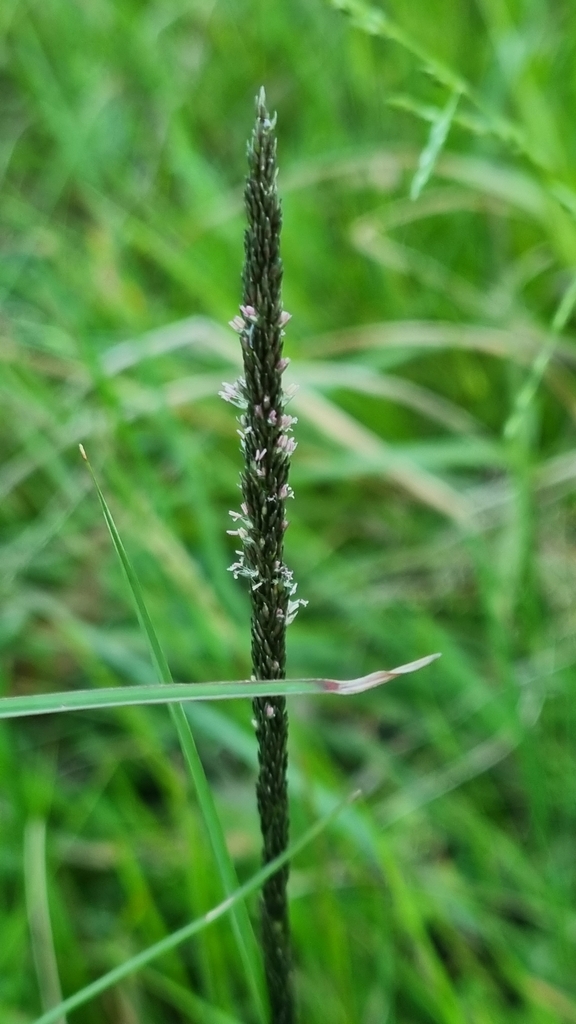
<point x="267" y="443"/>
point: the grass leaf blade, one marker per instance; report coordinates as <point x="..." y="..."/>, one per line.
<point x="242" y="926"/>
<point x="176" y="693"/>
<point x="429" y="155"/>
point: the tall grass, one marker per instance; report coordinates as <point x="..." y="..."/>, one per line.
<point x="421" y="524"/>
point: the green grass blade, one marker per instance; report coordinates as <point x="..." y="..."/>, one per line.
<point x="437" y="138"/>
<point x="374" y="22"/>
<point x="246" y="940"/>
<point x="234" y="900"/>
<point x="169" y="693"/>
<point x="528" y="392"/>
<point x="42" y="939"/>
<point x="175" y="693"/>
<point x="158" y="657"/>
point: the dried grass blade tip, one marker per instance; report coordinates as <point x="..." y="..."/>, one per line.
<point x="349" y="686"/>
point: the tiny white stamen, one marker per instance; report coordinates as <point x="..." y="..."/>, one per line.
<point x="286" y="444"/>
<point x="240" y="532"/>
<point x="290" y="391"/>
<point x="233" y="393"/>
<point x="237" y="324"/>
<point x="293" y="607"/>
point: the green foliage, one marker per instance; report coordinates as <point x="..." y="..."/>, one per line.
<point x="420" y="329"/>
<point x="142" y="959"/>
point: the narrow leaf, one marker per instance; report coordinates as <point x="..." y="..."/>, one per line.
<point x="38" y="910"/>
<point x="429" y="155"/>
<point x="527" y="393"/>
<point x="244" y="933"/>
<point x="176" y="693"/>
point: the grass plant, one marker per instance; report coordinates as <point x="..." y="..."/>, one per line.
<point x="267" y="443"/>
<point x="421" y="328"/>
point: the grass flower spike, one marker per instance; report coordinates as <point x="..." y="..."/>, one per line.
<point x="267" y="445"/>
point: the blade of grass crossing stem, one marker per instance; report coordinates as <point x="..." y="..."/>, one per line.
<point x="234" y="900"/>
<point x="245" y="937"/>
<point x="177" y="693"/>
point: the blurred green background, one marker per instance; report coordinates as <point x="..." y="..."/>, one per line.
<point x="432" y="338"/>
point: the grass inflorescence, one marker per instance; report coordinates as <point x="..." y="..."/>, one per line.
<point x="422" y="523"/>
<point x="267" y="443"/>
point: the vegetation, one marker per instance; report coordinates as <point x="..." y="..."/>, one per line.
<point x="429" y="246"/>
<point x="267" y="444"/>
